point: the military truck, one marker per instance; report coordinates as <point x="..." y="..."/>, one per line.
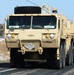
<point x="35" y="36"/>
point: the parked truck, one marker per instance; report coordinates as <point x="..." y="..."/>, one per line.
<point x="33" y="36"/>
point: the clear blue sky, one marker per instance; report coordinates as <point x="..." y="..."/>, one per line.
<point x="65" y="7"/>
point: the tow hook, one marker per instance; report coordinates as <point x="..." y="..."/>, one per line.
<point x="22" y="51"/>
<point x="40" y="50"/>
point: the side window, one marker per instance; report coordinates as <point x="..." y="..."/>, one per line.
<point x="7" y="22"/>
<point x="58" y="24"/>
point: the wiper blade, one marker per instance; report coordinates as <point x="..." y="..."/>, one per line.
<point x="40" y="27"/>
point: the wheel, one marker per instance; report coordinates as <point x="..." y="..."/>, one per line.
<point x="69" y="58"/>
<point x="20" y="62"/>
<point x="13" y="58"/>
<point x="17" y="59"/>
<point x="71" y="52"/>
<point x="63" y="55"/>
<point x="58" y="64"/>
<point x="68" y="51"/>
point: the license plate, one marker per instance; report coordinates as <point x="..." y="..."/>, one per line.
<point x="30" y="46"/>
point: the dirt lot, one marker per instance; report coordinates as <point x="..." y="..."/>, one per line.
<point x="4" y="53"/>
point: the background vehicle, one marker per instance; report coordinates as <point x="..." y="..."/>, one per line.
<point x="32" y="36"/>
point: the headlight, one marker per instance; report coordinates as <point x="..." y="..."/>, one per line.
<point x="47" y="35"/>
<point x="13" y="35"/>
<point x="9" y="35"/>
<point x="51" y="36"/>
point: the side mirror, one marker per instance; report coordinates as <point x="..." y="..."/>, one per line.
<point x="11" y="29"/>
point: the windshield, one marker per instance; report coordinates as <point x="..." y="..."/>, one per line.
<point x="38" y="22"/>
<point x="19" y="22"/>
<point x="44" y="22"/>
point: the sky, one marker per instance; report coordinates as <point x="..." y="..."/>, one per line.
<point x="65" y="7"/>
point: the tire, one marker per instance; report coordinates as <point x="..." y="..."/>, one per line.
<point x="13" y="64"/>
<point x="71" y="53"/>
<point x="63" y="55"/>
<point x="21" y="63"/>
<point x="69" y="57"/>
<point x="17" y="59"/>
<point x="58" y="64"/>
<point x="13" y="59"/>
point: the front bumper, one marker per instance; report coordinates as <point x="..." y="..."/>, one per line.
<point x="36" y="43"/>
<point x="12" y="43"/>
<point x="50" y="44"/>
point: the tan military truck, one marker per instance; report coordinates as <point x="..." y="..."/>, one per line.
<point x="32" y="36"/>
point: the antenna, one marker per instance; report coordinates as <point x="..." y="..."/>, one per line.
<point x="46" y="9"/>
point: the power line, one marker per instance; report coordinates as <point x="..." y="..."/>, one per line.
<point x="38" y="5"/>
<point x="31" y="2"/>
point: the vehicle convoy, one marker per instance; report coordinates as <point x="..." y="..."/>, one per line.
<point x="33" y="36"/>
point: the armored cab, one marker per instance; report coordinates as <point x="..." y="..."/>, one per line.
<point x="33" y="36"/>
